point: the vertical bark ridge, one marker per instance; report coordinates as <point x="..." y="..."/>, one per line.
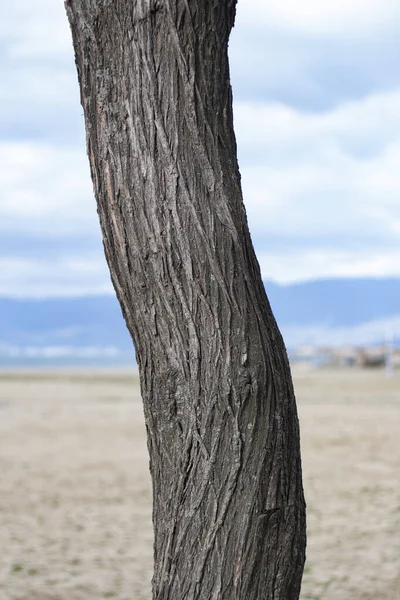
<point x="228" y="506"/>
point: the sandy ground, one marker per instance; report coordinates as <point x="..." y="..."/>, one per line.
<point x="75" y="492"/>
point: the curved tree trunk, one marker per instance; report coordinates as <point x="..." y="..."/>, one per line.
<point x="223" y="437"/>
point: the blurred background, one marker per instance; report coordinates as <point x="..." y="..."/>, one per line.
<point x="317" y="117"/>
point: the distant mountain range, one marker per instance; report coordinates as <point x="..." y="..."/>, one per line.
<point x="90" y="330"/>
<point x="334" y="312"/>
<point x="64" y="331"/>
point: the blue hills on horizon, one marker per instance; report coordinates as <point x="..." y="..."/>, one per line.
<point x="90" y="330"/>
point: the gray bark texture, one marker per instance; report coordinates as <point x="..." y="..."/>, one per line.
<point x="220" y="411"/>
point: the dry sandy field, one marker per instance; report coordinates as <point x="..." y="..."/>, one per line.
<point x="75" y="501"/>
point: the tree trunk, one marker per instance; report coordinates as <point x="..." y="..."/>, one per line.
<point x="223" y="436"/>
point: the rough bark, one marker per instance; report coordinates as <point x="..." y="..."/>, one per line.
<point x="223" y="436"/>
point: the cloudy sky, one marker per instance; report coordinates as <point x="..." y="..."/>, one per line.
<point x="317" y="117"/>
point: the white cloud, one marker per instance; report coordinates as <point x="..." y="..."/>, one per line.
<point x="35" y="29"/>
<point x="38" y="88"/>
<point x="297" y="264"/>
<point x="308" y="180"/>
<point x="305" y="175"/>
<point x="334" y="173"/>
<point x="323" y="18"/>
<point x="39" y="97"/>
<point x="44" y="189"/>
<point x="69" y="276"/>
<point x="370" y="121"/>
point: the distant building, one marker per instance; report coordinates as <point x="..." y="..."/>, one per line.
<point x="368" y="357"/>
